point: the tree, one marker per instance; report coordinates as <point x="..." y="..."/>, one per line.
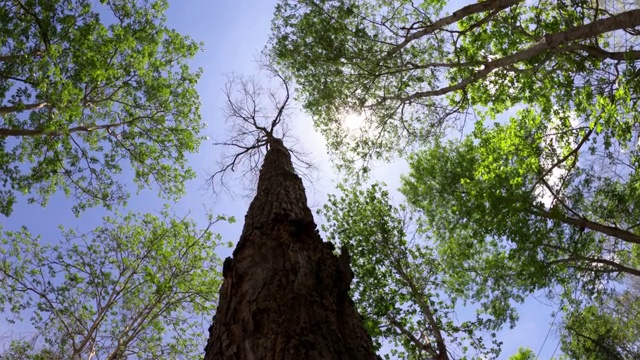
<point x="285" y="293"/>
<point x="408" y="294"/>
<point x="413" y="70"/>
<point x="86" y="88"/>
<point x="609" y="329"/>
<point x="545" y="199"/>
<point x="135" y="286"/>
<point x="567" y="217"/>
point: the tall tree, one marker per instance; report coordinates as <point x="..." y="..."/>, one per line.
<point x="566" y="216"/>
<point x="87" y="87"/>
<point x="137" y="286"/>
<point x="410" y="69"/>
<point x="408" y="293"/>
<point x="285" y="294"/>
<point x="546" y="198"/>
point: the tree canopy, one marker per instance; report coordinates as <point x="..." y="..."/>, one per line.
<point x="96" y="95"/>
<point x="140" y="285"/>
<point x="85" y="89"/>
<point x="415" y="70"/>
<point x="520" y="125"/>
<point x="410" y="294"/>
<point x="605" y="330"/>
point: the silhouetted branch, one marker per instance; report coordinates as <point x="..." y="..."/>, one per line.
<point x="254" y="115"/>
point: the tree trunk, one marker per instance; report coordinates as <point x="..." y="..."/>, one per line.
<point x="285" y="294"/>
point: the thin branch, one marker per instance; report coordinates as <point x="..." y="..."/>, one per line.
<point x="612" y="264"/>
<point x="561" y="161"/>
<point x="80" y="128"/>
<point x="253" y="125"/>
<point x="427" y="312"/>
<point x="419" y="344"/>
<point x="551" y="42"/>
<point x="41" y="28"/>
<point x="599" y="53"/>
<point x="4" y="110"/>
<point x="611" y="352"/>
<point x="16" y="57"/>
<point x="451" y="19"/>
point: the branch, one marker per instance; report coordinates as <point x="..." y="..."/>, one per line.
<point x="14" y="57"/>
<point x="117" y="290"/>
<point x="257" y="120"/>
<point x="613" y="231"/>
<point x="41" y="29"/>
<point x="424" y="346"/>
<point x="599" y="53"/>
<point x="606" y="349"/>
<point x="617" y="266"/>
<point x="81" y="128"/>
<point x="42" y="295"/>
<point x="565" y="158"/>
<point x="549" y="42"/>
<point x="427" y="312"/>
<point x="448" y="20"/>
<point x="4" y="110"/>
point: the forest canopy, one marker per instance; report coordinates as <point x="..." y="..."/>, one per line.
<point x="90" y="91"/>
<point x="519" y="122"/>
<point x="416" y="71"/>
<point x="98" y="100"/>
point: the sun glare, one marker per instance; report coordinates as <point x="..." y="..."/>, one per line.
<point x="353" y="122"/>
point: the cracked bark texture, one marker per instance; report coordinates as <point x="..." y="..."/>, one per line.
<point x="285" y="294"/>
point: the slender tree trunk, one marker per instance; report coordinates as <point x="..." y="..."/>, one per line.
<point x="285" y="294"/>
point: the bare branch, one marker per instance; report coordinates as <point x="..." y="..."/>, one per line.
<point x="255" y="116"/>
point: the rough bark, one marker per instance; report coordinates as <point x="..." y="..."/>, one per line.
<point x="285" y="294"/>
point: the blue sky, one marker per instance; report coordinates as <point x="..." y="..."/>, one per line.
<point x="234" y="32"/>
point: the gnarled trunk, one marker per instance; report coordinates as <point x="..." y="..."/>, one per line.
<point x="285" y="294"/>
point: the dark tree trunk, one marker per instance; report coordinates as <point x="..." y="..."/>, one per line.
<point x="285" y="294"/>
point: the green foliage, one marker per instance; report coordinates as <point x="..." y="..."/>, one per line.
<point x="542" y="189"/>
<point x="138" y="285"/>
<point x="86" y="88"/>
<point x="609" y="329"/>
<point x="23" y="350"/>
<point x="414" y="71"/>
<point x="330" y="47"/>
<point x="523" y="354"/>
<point x="555" y="200"/>
<point x="406" y="291"/>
